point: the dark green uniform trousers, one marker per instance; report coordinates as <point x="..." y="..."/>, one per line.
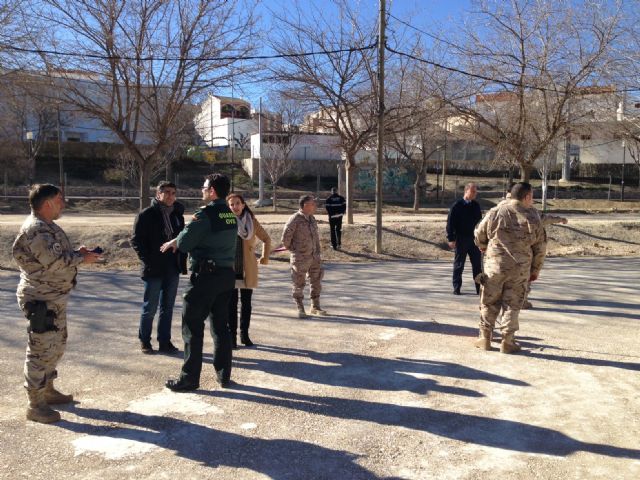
<point x="207" y="296"/>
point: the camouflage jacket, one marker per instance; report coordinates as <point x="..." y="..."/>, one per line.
<point x="48" y="263"/>
<point x="513" y="237"/>
<point x="300" y="236"/>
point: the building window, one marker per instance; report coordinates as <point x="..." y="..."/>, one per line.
<point x="74" y="137"/>
<point x="226" y="111"/>
<point x="585" y="137"/>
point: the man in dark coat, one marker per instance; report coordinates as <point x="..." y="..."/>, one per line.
<point x="464" y="215"/>
<point x="336" y="207"/>
<point x="155" y="225"/>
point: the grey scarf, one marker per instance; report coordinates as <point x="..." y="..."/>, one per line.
<point x="245" y="226"/>
<point x="166" y="212"/>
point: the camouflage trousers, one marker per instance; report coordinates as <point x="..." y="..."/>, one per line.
<point x="506" y="292"/>
<point x="44" y="350"/>
<point x="300" y="269"/>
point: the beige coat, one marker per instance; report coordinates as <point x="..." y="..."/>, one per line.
<point x="249" y="257"/>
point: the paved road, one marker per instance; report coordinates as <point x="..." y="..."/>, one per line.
<point x="387" y="387"/>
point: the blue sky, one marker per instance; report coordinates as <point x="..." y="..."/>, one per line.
<point x="423" y="14"/>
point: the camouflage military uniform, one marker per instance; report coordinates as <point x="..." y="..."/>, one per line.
<point x="515" y="244"/>
<point x="48" y="268"/>
<point x="300" y="236"/>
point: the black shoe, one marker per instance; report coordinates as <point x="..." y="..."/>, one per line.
<point x="181" y="385"/>
<point x="457" y="291"/>
<point x="168" y="347"/>
<point x="223" y="382"/>
<point x="234" y="342"/>
<point x="146" y="348"/>
<point x="246" y="341"/>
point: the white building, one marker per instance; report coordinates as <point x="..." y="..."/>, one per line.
<point x="35" y="104"/>
<point x="221" y="119"/>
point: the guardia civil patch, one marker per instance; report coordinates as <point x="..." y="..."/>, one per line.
<point x="57" y="248"/>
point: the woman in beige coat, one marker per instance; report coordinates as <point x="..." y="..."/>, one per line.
<point x="246" y="266"/>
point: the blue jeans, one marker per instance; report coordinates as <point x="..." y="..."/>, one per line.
<point x="162" y="291"/>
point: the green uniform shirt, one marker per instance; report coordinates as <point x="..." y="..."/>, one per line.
<point x="211" y="235"/>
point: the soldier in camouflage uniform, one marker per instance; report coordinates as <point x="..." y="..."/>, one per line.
<point x="48" y="268"/>
<point x="514" y="242"/>
<point x="546" y="221"/>
<point x="301" y="237"/>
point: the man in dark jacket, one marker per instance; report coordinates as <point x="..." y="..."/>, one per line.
<point x="464" y="215"/>
<point x="336" y="207"/>
<point x="155" y="225"/>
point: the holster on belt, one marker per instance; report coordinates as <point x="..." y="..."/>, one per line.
<point x="41" y="319"/>
<point x="206" y="266"/>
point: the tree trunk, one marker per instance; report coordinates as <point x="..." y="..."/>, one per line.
<point x="350" y="170"/>
<point x="525" y="172"/>
<point x="418" y="185"/>
<point x="416" y="195"/>
<point x="145" y="175"/>
<point x="274" y="206"/>
<point x="168" y="171"/>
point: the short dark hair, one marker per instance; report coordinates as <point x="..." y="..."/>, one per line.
<point x="220" y="183"/>
<point x="520" y="190"/>
<point x="334" y="190"/>
<point x="165" y="184"/>
<point x="306" y="198"/>
<point x="40" y="193"/>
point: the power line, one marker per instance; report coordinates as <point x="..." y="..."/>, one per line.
<point x="424" y="32"/>
<point x="492" y="79"/>
<point x="184" y="59"/>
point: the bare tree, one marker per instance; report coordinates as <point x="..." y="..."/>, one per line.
<point x="338" y="82"/>
<point x="135" y="65"/>
<point x="27" y="118"/>
<point x="417" y="116"/>
<point x="278" y="146"/>
<point x="628" y="129"/>
<point x="528" y="60"/>
<point x="12" y="34"/>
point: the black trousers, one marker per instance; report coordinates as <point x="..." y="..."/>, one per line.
<point x="207" y="296"/>
<point x="464" y="247"/>
<point x="335" y="225"/>
<point x="245" y="312"/>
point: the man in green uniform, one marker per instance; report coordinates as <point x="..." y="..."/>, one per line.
<point x="210" y="239"/>
<point x="48" y="269"/>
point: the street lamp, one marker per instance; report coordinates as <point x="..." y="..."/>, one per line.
<point x="620" y="118"/>
<point x="624" y="154"/>
<point x="29" y="137"/>
<point x="438" y="172"/>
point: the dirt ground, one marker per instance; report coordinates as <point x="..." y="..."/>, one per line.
<point x="387" y="386"/>
<point x="406" y="236"/>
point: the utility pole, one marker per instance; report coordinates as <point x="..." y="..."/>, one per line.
<point x="60" y="160"/>
<point x="566" y="166"/>
<point x="624" y="155"/>
<point x="260" y="201"/>
<point x="233" y="133"/>
<point x="211" y="117"/>
<point x="379" y="160"/>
